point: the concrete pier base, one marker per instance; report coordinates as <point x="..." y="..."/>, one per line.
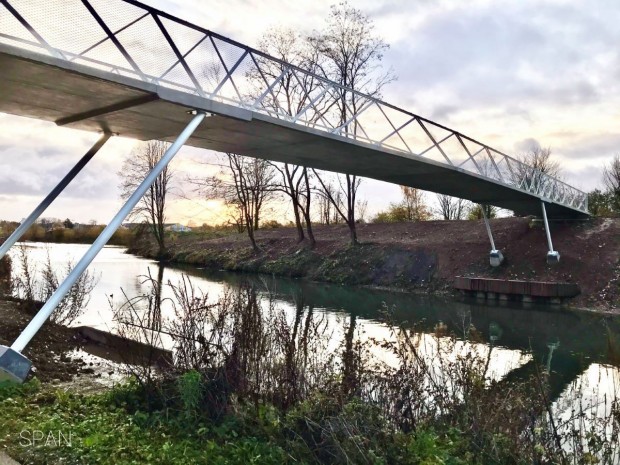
<point x="13" y="365"/>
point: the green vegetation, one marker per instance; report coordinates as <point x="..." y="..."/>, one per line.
<point x="65" y="232"/>
<point x="252" y="383"/>
<point x="603" y="203"/>
<point x="606" y="202"/>
<point x="108" y="429"/>
<point x="112" y="428"/>
<point x="412" y="207"/>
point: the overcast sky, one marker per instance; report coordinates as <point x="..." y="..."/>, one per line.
<point x="510" y="73"/>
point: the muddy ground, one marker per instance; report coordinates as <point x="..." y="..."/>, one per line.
<point x="50" y="350"/>
<point x="423" y="256"/>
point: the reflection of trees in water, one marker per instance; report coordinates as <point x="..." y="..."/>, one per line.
<point x="249" y="349"/>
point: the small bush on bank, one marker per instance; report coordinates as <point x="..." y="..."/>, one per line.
<point x="35" y="285"/>
<point x="5" y="275"/>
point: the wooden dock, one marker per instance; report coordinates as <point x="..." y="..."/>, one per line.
<point x="524" y="291"/>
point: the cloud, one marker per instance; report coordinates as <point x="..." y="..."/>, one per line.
<point x="527" y="145"/>
<point x="542" y="53"/>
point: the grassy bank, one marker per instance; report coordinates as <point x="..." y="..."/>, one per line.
<point x="85" y="234"/>
<point x="419" y="256"/>
<point x="39" y="425"/>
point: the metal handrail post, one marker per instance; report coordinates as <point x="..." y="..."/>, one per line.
<point x="41" y="317"/>
<point x="36" y="213"/>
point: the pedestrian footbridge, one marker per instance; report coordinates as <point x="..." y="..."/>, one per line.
<point x="123" y="67"/>
<point x="120" y="67"/>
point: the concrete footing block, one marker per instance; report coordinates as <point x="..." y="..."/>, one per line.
<point x="13" y="365"/>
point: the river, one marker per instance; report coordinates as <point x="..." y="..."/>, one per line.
<point x="579" y="348"/>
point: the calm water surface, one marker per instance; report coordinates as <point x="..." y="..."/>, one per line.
<point x="579" y="348"/>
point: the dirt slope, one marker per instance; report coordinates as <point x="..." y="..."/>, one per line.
<point x="425" y="255"/>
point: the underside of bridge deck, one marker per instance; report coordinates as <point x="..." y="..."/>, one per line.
<point x="85" y="98"/>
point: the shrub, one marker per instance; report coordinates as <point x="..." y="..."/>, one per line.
<point x="5" y="274"/>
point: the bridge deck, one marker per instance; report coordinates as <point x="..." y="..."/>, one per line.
<point x="82" y="97"/>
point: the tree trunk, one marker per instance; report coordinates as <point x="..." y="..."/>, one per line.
<point x="309" y="230"/>
<point x="298" y="225"/>
<point x="255" y="225"/>
<point x="306" y="209"/>
<point x="352" y="232"/>
<point x="250" y="229"/>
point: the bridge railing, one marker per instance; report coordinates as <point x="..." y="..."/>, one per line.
<point x="128" y="38"/>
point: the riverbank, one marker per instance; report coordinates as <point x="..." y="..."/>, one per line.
<point x="422" y="256"/>
<point x="54" y="349"/>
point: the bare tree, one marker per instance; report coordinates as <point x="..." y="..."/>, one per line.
<point x="295" y="184"/>
<point x="290" y="92"/>
<point x="324" y="207"/>
<point x="291" y="95"/>
<point x="343" y="199"/>
<point x="351" y="56"/>
<point x="152" y="206"/>
<point x="327" y="212"/>
<point x="611" y="179"/>
<point x="290" y="185"/>
<point x="245" y="185"/>
<point x="451" y="208"/>
<point x="362" y="210"/>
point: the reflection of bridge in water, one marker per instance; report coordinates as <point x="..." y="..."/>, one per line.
<point x="583" y="338"/>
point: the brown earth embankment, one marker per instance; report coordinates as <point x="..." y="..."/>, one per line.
<point x="422" y="256"/>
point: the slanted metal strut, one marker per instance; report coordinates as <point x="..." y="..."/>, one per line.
<point x="29" y="221"/>
<point x="495" y="256"/>
<point x="553" y="256"/>
<point x="15" y="362"/>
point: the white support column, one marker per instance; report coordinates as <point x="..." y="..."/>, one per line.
<point x="22" y="228"/>
<point x="41" y="317"/>
<point x="495" y="256"/>
<point x="553" y="256"/>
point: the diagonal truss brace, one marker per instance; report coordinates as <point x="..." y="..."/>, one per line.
<point x="29" y="221"/>
<point x="41" y="317"/>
